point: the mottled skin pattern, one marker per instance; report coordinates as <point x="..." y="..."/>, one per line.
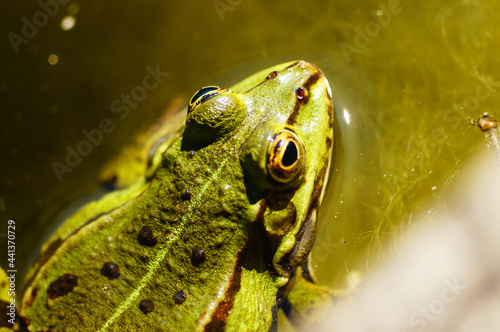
<point x="139" y="266"/>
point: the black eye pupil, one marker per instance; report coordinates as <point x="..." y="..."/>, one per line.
<point x="202" y="91"/>
<point x="290" y="155"/>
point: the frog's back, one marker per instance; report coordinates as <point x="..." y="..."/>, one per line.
<point x="147" y="254"/>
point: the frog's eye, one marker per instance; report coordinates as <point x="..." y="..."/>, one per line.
<point x="286" y="157"/>
<point x="204" y="94"/>
<point x="272" y="75"/>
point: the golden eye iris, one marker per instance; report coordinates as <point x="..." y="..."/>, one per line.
<point x="286" y="157"/>
<point x="204" y="94"/>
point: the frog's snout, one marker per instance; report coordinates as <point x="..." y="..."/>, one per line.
<point x="307" y="66"/>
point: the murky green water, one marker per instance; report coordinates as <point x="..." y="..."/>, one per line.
<point x="407" y="78"/>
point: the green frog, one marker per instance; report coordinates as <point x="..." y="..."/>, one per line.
<point x="216" y="232"/>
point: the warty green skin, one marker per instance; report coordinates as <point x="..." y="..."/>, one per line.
<point x="226" y="213"/>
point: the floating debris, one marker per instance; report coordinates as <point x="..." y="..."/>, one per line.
<point x="487" y="123"/>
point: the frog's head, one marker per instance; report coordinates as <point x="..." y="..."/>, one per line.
<point x="281" y="120"/>
<point x="287" y="157"/>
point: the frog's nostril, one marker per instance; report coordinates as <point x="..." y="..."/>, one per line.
<point x="272" y="75"/>
<point x="300" y="92"/>
<point x="293" y="64"/>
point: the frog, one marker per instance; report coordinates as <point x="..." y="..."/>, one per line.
<point x="216" y="233"/>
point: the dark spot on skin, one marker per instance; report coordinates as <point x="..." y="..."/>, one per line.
<point x="62" y="286"/>
<point x="179" y="297"/>
<point x="4" y="311"/>
<point x="186" y="195"/>
<point x="146" y="306"/>
<point x="191" y="154"/>
<point x="146" y="237"/>
<point x="198" y="256"/>
<point x="328" y="143"/>
<point x="110" y="270"/>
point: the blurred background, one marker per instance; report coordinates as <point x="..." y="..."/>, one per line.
<point x="407" y="79"/>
